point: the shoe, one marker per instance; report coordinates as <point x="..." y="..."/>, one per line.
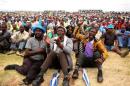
<point x="20" y="53"/>
<point x="38" y="81"/>
<point x="26" y="81"/>
<point x="65" y="81"/>
<point x="3" y="51"/>
<point x="124" y="53"/>
<point x="100" y="76"/>
<point x="11" y="52"/>
<point x="75" y="74"/>
<point x="11" y="67"/>
<point x="129" y="48"/>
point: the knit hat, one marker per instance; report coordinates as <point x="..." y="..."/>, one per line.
<point x="38" y="26"/>
<point x="110" y="26"/>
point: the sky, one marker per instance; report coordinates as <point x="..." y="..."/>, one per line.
<point x="68" y="5"/>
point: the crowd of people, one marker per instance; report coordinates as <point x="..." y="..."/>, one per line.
<point x="47" y="39"/>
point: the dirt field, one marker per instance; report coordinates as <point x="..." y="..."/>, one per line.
<point x="116" y="72"/>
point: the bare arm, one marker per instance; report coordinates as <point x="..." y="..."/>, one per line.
<point x="29" y="52"/>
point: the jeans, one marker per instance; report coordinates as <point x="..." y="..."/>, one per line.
<point x="129" y="42"/>
<point x="128" y="39"/>
<point x="109" y="47"/>
<point x="20" y="45"/>
<point x="30" y="68"/>
<point x="123" y="40"/>
<point x="84" y="61"/>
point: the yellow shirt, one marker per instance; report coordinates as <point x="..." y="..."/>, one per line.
<point x="17" y="36"/>
<point x="101" y="47"/>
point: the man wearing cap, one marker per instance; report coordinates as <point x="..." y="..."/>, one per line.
<point x="61" y="49"/>
<point x="35" y="54"/>
<point x="110" y="41"/>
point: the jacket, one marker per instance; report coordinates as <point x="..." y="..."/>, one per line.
<point x="67" y="49"/>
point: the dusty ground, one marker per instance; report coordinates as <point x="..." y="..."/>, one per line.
<point x="116" y="72"/>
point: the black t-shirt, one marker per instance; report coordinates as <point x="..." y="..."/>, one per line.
<point x="109" y="39"/>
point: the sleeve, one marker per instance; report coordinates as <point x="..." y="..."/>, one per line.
<point x="28" y="44"/>
<point x="43" y="45"/>
<point x="80" y="36"/>
<point x="26" y="36"/>
<point x="7" y="35"/>
<point x="75" y="31"/>
<point x="102" y="49"/>
<point x="115" y="37"/>
<point x="69" y="47"/>
<point x="14" y="36"/>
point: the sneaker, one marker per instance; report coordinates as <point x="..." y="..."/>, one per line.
<point x="38" y="81"/>
<point x="100" y="76"/>
<point x="11" y="52"/>
<point x="11" y="67"/>
<point x="75" y="74"/>
<point x="19" y="53"/>
<point x="22" y="54"/>
<point x="125" y="53"/>
<point x="65" y="81"/>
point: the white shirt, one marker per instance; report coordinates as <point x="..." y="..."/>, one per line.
<point x="17" y="36"/>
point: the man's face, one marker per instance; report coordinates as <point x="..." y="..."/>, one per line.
<point x="70" y="30"/>
<point x="38" y="33"/>
<point x="28" y="24"/>
<point x="92" y="33"/>
<point x="14" y="26"/>
<point x="60" y="32"/>
<point x="22" y="29"/>
<point x="110" y="30"/>
<point x="4" y="27"/>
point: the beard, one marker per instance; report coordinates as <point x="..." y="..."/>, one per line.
<point x="38" y="36"/>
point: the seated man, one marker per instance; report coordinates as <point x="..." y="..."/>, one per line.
<point x="93" y="56"/>
<point x="4" y="38"/>
<point x="18" y="41"/>
<point x="111" y="43"/>
<point x="35" y="54"/>
<point x="123" y="37"/>
<point x="128" y="35"/>
<point x="61" y="48"/>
